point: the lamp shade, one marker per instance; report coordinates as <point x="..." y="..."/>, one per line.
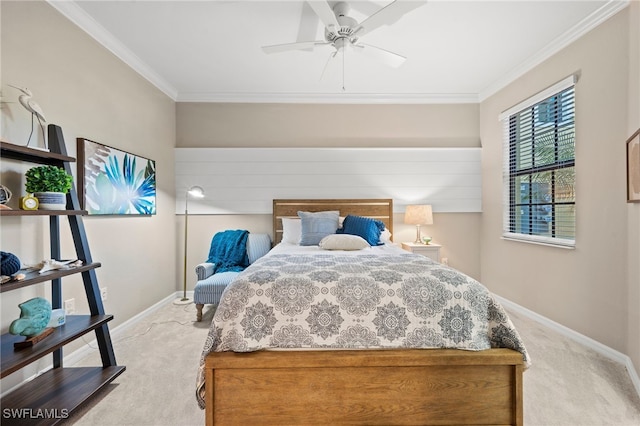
<point x="196" y="191"/>
<point x="419" y="214"/>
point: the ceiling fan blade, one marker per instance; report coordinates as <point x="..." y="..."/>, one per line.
<point x="303" y="45"/>
<point x="308" y="27"/>
<point x="387" y="15"/>
<point x="367" y="8"/>
<point x="326" y="14"/>
<point x="383" y="55"/>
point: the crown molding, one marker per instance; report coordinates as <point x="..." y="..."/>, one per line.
<point x="590" y="22"/>
<point x="331" y="98"/>
<point x="84" y="21"/>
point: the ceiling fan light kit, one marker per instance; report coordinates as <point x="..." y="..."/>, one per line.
<point x="342" y="31"/>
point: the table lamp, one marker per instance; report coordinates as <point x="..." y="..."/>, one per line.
<point x="419" y="214"/>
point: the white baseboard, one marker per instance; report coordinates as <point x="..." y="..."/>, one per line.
<point x="82" y="352"/>
<point x="598" y="347"/>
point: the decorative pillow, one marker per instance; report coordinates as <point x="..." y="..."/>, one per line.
<point x="343" y="242"/>
<point x="365" y="227"/>
<point x="291" y="230"/>
<point x="316" y="226"/>
<point x="385" y="236"/>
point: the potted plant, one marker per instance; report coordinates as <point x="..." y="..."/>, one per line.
<point x="49" y="184"/>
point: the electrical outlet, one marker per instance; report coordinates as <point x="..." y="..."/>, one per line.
<point x="103" y="293"/>
<point x="70" y="306"/>
<point x="445" y="260"/>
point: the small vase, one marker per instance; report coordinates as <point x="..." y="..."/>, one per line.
<point x="51" y="200"/>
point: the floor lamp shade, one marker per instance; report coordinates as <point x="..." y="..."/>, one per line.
<point x="418" y="214"/>
<point x="196" y="192"/>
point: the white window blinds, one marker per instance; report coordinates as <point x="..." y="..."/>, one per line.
<point x="539" y="167"/>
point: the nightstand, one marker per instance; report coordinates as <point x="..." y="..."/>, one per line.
<point x="431" y="250"/>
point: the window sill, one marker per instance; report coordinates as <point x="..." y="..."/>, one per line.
<point x="540" y="243"/>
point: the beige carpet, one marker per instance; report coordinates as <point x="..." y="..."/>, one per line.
<point x="568" y="384"/>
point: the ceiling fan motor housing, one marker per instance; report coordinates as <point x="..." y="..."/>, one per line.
<point x="347" y="27"/>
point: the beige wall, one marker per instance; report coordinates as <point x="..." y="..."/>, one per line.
<point x="304" y="125"/>
<point x="89" y="93"/>
<point x="633" y="210"/>
<point x="586" y="289"/>
<point x="295" y="125"/>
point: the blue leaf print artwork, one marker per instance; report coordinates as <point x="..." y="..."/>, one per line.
<point x="117" y="186"/>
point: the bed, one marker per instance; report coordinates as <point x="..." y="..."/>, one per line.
<point x="314" y="348"/>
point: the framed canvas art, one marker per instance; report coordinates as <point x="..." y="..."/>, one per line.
<point x="633" y="168"/>
<point x="115" y="182"/>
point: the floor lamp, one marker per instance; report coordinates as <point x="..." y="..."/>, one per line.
<point x="418" y="215"/>
<point x="196" y="192"/>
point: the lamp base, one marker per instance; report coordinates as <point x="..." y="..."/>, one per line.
<point x="418" y="239"/>
<point x="182" y="301"/>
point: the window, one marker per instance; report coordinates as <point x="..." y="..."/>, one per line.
<point x="539" y="168"/>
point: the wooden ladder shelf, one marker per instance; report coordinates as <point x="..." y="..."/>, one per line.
<point x="52" y="396"/>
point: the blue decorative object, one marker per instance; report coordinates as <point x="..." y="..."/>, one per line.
<point x="34" y="317"/>
<point x="365" y="227"/>
<point x="10" y="263"/>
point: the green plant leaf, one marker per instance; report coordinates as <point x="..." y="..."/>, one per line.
<point x="48" y="179"/>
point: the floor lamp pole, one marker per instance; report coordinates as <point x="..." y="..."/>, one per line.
<point x="186" y="228"/>
<point x="196" y="191"/>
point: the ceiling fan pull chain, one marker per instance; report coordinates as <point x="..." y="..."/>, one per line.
<point x="344" y="51"/>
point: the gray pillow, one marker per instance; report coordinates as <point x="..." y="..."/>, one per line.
<point x="316" y="226"/>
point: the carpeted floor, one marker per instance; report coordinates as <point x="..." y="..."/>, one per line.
<point x="568" y="384"/>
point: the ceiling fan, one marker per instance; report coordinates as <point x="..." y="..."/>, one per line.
<point x="342" y="31"/>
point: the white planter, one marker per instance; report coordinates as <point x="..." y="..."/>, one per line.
<point x="51" y="200"/>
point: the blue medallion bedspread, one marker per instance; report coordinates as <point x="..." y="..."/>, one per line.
<point x="326" y="300"/>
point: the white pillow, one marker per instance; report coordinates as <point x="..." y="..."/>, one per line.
<point x="291" y="230"/>
<point x="343" y="242"/>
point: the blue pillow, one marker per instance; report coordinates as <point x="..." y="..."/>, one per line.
<point x="365" y="227"/>
<point x="316" y="226"/>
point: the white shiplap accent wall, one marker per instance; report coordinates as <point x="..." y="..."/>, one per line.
<point x="246" y="180"/>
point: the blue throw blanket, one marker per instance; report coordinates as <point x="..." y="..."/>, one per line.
<point x="229" y="251"/>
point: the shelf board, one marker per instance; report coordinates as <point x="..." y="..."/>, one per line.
<point x="60" y="390"/>
<point x="75" y="326"/>
<point x="24" y="153"/>
<point x="7" y="212"/>
<point x="34" y="277"/>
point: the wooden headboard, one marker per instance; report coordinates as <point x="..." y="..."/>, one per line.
<point x="381" y="209"/>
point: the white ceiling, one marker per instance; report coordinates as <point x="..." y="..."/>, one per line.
<point x="210" y="51"/>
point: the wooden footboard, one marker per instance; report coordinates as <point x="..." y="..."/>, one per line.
<point x="372" y="387"/>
